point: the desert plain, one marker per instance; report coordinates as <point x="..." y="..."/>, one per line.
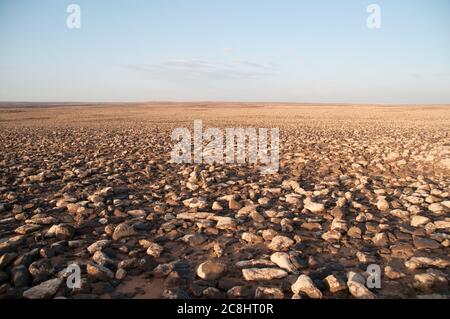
<point x="93" y="185"/>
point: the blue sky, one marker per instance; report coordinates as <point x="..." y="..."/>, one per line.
<point x="229" y="50"/>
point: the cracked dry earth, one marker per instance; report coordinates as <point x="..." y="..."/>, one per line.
<point x="93" y="185"/>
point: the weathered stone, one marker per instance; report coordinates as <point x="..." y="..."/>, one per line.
<point x="195" y="240"/>
<point x="392" y="273"/>
<point x="418" y="220"/>
<point x="431" y="280"/>
<point x="210" y="270"/>
<point x="120" y="274"/>
<point x="283" y="261"/>
<point x="194" y="216"/>
<point x="332" y="235"/>
<point x="268" y="293"/>
<point x="306" y="285"/>
<point x="99" y="272"/>
<point x="255" y="263"/>
<point x="356" y="285"/>
<point x="137" y="213"/>
<point x="98" y="245"/>
<point x="263" y="273"/>
<point x="425" y="243"/>
<point x="234" y="205"/>
<point x="61" y="231"/>
<point x="27" y="229"/>
<point x="154" y="250"/>
<point x="123" y="230"/>
<point x="216" y="206"/>
<point x="45" y="290"/>
<point x="224" y="223"/>
<point x="382" y="204"/>
<point x="335" y="283"/>
<point x="354" y="232"/>
<point x="312" y="206"/>
<point x="20" y="277"/>
<point x="100" y="258"/>
<point x="380" y="239"/>
<point x="280" y="243"/>
<point x="252" y="238"/>
<point x="195" y="203"/>
<point x="240" y="292"/>
<point x="424" y="262"/>
<point x="7" y="259"/>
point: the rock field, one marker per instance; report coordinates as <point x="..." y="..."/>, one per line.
<point x="93" y="185"/>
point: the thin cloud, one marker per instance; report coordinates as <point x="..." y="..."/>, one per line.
<point x="210" y="69"/>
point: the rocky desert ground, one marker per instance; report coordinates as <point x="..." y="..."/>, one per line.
<point x="93" y="185"/>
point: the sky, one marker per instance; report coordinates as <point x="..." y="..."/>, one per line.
<point x="225" y="50"/>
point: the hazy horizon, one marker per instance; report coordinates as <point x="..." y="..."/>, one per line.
<point x="38" y="104"/>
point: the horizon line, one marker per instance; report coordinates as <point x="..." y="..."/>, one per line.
<point x="85" y="103"/>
